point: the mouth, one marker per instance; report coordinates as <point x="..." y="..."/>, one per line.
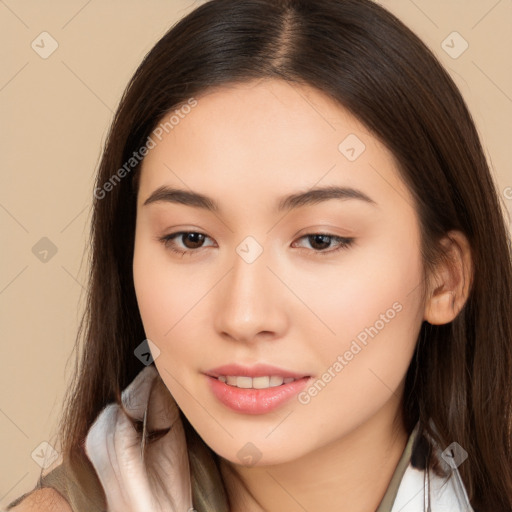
<point x="254" y="390"/>
<point x="263" y="382"/>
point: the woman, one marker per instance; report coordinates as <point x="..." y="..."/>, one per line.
<point x="296" y="229"/>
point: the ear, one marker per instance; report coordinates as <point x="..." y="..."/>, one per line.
<point x="450" y="283"/>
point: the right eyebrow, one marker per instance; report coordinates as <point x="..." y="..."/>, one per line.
<point x="174" y="195"/>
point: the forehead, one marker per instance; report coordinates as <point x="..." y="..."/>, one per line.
<point x="266" y="136"/>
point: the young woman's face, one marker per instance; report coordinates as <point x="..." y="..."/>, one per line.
<point x="326" y="285"/>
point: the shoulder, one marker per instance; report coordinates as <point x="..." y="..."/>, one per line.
<point x="43" y="500"/>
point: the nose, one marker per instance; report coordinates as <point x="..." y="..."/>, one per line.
<point x="250" y="303"/>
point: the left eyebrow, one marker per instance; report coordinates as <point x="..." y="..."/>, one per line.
<point x="318" y="195"/>
<point x="313" y="196"/>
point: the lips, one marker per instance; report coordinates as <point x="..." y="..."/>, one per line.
<point x="224" y="383"/>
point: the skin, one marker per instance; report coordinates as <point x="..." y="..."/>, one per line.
<point x="246" y="146"/>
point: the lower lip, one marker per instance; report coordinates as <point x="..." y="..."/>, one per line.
<point x="255" y="401"/>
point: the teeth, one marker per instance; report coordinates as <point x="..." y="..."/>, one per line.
<point x="243" y="382"/>
<point x="256" y="382"/>
<point x="275" y="381"/>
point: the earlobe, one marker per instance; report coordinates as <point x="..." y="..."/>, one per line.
<point x="441" y="308"/>
<point x="450" y="285"/>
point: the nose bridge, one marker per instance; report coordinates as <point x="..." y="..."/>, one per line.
<point x="249" y="302"/>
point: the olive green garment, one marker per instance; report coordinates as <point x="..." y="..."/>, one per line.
<point x="78" y="485"/>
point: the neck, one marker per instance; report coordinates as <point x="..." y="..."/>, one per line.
<point x="351" y="474"/>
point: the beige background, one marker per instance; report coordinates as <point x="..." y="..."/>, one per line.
<point x="55" y="114"/>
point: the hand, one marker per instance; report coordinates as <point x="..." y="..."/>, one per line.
<point x="157" y="482"/>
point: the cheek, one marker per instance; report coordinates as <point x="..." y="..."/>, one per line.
<point x="161" y="294"/>
<point x="375" y="279"/>
<point x="171" y="302"/>
<point x="374" y="306"/>
<point x="162" y="289"/>
<point x="152" y="294"/>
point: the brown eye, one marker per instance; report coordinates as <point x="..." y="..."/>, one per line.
<point x="324" y="243"/>
<point x="319" y="242"/>
<point x="185" y="242"/>
<point x="192" y="240"/>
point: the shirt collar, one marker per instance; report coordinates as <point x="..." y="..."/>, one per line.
<point x="389" y="498"/>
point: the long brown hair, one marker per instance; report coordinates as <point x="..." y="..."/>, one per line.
<point x="370" y="63"/>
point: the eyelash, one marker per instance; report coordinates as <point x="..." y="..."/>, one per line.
<point x="343" y="243"/>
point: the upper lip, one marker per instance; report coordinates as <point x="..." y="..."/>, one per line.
<point x="258" y="370"/>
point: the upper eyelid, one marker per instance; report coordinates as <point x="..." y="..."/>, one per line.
<point x="311" y="233"/>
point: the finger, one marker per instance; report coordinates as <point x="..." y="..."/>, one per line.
<point x="99" y="449"/>
<point x="170" y="458"/>
<point x="135" y="397"/>
<point x="168" y="455"/>
<point x="162" y="484"/>
<point x="113" y="446"/>
<point x="132" y="471"/>
<point x="163" y="410"/>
